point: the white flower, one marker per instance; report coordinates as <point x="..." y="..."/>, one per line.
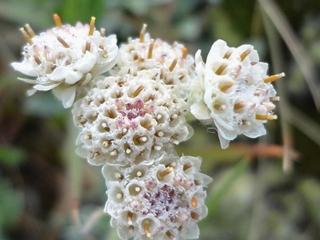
<point x="66" y="58"/>
<point x="126" y="119"/>
<point x="235" y="92"/>
<point x="161" y="201"/>
<point x="173" y="61"/>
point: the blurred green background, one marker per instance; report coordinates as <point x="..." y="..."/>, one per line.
<point x="263" y="189"/>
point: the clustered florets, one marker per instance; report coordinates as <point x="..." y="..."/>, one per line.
<point x="126" y="119"/>
<point x="130" y="105"/>
<point x="66" y="59"/>
<point x="161" y="201"/>
<point x="236" y="93"/>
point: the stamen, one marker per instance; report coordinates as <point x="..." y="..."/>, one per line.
<point x="137" y="91"/>
<point x="119" y="196"/>
<point x="159" y="116"/>
<point x="104" y="126"/>
<point x="25" y="35"/>
<point x="237" y="107"/>
<point x="29" y="30"/>
<point x="103" y="32"/>
<point x="150" y="49"/>
<point x="275" y="99"/>
<point x="146" y="228"/>
<point x="184" y="52"/>
<point x="92" y="26"/>
<point x="173" y="65"/>
<point x="130" y="217"/>
<point x="224" y="86"/>
<point x="143" y="139"/>
<point x="195" y="215"/>
<point x="162" y="174"/>
<point x="87" y="47"/>
<point x="118" y="176"/>
<point x="244" y="54"/>
<point x="266" y="117"/>
<point x="128" y="151"/>
<point x="142" y="32"/>
<point x="220" y="69"/>
<point x="87" y="136"/>
<point x="137" y="189"/>
<point x="194" y="202"/>
<point x="160" y="134"/>
<point x="37" y="59"/>
<point x="187" y="166"/>
<point x="114" y="153"/>
<point x="63" y="42"/>
<point x="57" y="20"/>
<point x="274" y="77"/>
<point x="227" y="54"/>
<point x="139" y="173"/>
<point x="105" y="143"/>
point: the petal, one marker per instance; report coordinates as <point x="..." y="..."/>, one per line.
<point x="58" y="74"/>
<point x="255" y="131"/>
<point x="66" y="95"/>
<point x="86" y="63"/>
<point x="27" y="80"/>
<point x="217" y="50"/>
<point x="190" y="231"/>
<point x="47" y="87"/>
<point x="25" y="68"/>
<point x="72" y="77"/>
<point x="200" y="111"/>
<point x="223" y="142"/>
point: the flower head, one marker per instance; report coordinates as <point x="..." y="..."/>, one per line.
<point x="173" y="61"/>
<point x="65" y="58"/>
<point x="126" y="119"/>
<point x="162" y="201"/>
<point x="236" y="92"/>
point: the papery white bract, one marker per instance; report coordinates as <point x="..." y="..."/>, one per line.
<point x="236" y="93"/>
<point x="65" y="59"/>
<point x="162" y="201"/>
<point x="126" y="119"/>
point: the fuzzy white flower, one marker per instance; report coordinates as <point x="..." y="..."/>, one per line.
<point x="126" y="119"/>
<point x="235" y="91"/>
<point x="65" y="58"/>
<point x="173" y="60"/>
<point x="162" y="201"/>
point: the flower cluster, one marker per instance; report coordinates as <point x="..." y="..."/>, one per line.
<point x="130" y="105"/>
<point x="126" y="119"/>
<point x="66" y="58"/>
<point x="161" y="201"/>
<point x="235" y="91"/>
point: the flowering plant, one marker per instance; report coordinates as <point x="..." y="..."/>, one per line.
<point x="130" y="104"/>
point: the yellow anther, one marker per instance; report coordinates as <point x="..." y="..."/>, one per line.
<point x="92" y="25"/>
<point x="221" y="69"/>
<point x="57" y="20"/>
<point x="244" y="54"/>
<point x="266" y="117"/>
<point x="63" y="42"/>
<point x="173" y="65"/>
<point x="142" y="32"/>
<point x="25" y="35"/>
<point x="150" y="49"/>
<point x="162" y="174"/>
<point x="29" y="30"/>
<point x="274" y="77"/>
